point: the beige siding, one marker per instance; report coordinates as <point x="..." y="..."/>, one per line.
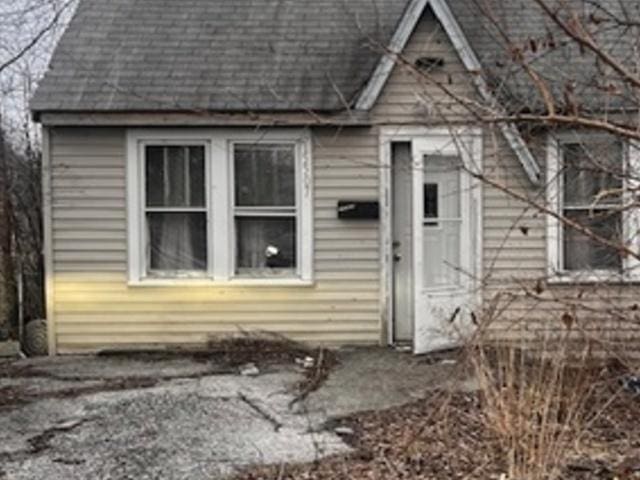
<point x="95" y="308"/>
<point x="515" y="261"/>
<point x="514" y="233"/>
<point x="413" y="96"/>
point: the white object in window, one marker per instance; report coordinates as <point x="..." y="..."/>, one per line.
<point x="219" y="206"/>
<point x="265" y="209"/>
<point x="589" y="182"/>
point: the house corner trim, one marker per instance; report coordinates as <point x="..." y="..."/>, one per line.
<point x="47" y="227"/>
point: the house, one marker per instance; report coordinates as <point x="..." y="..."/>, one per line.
<point x="311" y="168"/>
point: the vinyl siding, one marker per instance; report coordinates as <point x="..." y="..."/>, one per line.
<point x="95" y="308"/>
<point x="531" y="309"/>
<point x="412" y="96"/>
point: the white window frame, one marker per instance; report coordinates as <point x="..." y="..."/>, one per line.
<point x="554" y="194"/>
<point x="236" y="211"/>
<point x="219" y="186"/>
<point x="143" y="241"/>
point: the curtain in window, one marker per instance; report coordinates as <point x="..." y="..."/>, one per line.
<point x="177" y="241"/>
<point x="175" y="208"/>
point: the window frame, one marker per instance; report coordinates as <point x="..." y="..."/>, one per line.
<point x="267" y="212"/>
<point x="555" y="202"/>
<point x="145" y="271"/>
<point x="219" y="191"/>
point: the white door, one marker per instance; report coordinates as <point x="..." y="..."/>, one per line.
<point x="444" y="241"/>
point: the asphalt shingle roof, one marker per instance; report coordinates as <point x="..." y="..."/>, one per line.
<point x="278" y="55"/>
<point x="216" y="54"/>
<point x="566" y="67"/>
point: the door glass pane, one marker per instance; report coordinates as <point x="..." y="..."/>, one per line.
<point x="177" y="241"/>
<point x="265" y="243"/>
<point x="582" y="253"/>
<point x="264" y="175"/>
<point x="431" y="203"/>
<point x="441" y="237"/>
<point x="175" y="176"/>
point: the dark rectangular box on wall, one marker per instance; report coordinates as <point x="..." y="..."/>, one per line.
<point x="358" y="210"/>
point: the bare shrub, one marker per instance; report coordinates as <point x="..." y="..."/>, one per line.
<point x="539" y="402"/>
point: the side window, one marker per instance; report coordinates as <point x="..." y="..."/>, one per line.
<point x="592" y="187"/>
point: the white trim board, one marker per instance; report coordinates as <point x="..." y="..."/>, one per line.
<point x="378" y="80"/>
<point x="47" y="233"/>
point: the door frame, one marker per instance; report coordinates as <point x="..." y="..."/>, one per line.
<point x="466" y="142"/>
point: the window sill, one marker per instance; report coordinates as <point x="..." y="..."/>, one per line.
<point x="205" y="282"/>
<point x="589" y="278"/>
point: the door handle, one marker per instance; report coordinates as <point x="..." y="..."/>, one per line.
<point x="397" y="257"/>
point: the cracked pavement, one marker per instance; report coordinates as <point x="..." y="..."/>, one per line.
<point x="192" y="424"/>
<point x="131" y="417"/>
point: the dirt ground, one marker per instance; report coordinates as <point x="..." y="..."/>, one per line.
<point x="443" y="437"/>
<point x="188" y="416"/>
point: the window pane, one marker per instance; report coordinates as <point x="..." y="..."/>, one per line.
<point x="583" y="253"/>
<point x="591" y="170"/>
<point x="175" y="191"/>
<point x="177" y="241"/>
<point x="264" y="175"/>
<point x="265" y="243"/>
<point x="175" y="176"/>
<point x="155" y="176"/>
<point x="430" y="200"/>
<point x="196" y="177"/>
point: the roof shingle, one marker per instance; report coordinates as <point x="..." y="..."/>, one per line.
<point x="216" y="54"/>
<point x="285" y="55"/>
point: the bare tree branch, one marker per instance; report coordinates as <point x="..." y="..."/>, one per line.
<point x="36" y="38"/>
